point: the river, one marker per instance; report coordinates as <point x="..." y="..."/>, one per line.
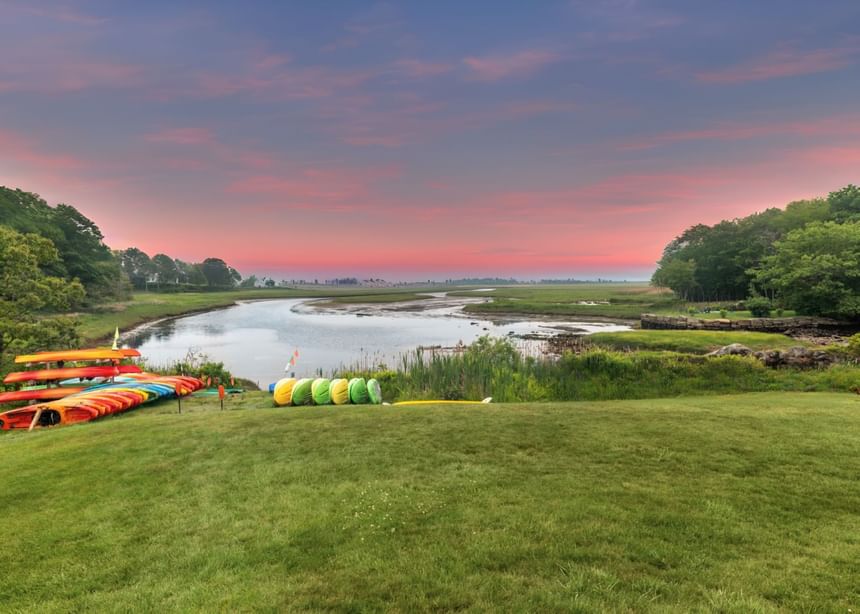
<point x="256" y="339"/>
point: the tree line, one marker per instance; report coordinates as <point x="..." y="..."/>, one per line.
<point x="54" y="260"/>
<point x="805" y="257"/>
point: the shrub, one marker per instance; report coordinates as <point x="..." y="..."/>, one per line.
<point x="758" y="306"/>
<point x="723" y="313"/>
<point x="853" y="346"/>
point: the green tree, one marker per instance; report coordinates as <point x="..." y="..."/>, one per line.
<point x="249" y="282"/>
<point x="845" y="204"/>
<point x="815" y="270"/>
<point x="28" y="294"/>
<point x="79" y="242"/>
<point x="138" y="266"/>
<point x="217" y="273"/>
<point x="165" y="269"/>
<point x="679" y="276"/>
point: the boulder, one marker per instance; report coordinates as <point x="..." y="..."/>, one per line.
<point x="735" y="349"/>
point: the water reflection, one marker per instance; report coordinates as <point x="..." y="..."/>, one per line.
<point x="256" y="339"/>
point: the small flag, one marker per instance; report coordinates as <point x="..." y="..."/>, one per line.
<point x="232" y="383"/>
<point x="115" y="345"/>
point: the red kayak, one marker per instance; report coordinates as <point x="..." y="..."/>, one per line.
<point x="43" y="375"/>
<point x="39" y="394"/>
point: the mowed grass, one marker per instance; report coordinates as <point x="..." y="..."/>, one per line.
<point x="692" y="341"/>
<point x="741" y="503"/>
<point x="626" y="300"/>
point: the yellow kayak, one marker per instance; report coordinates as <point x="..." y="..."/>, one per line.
<point x="66" y="355"/>
<point x="443" y="402"/>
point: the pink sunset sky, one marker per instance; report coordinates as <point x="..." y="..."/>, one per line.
<point x="416" y="140"/>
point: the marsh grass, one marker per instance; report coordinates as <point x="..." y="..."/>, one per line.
<point x="744" y="503"/>
<point x="493" y="367"/>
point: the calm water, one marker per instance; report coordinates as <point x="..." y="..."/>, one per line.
<point x="256" y="339"/>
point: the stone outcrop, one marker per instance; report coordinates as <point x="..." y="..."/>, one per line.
<point x="794" y="357"/>
<point x="735" y="349"/>
<point x="766" y="325"/>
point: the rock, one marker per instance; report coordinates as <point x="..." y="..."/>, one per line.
<point x="735" y="349"/>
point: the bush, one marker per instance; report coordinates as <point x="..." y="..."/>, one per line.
<point x="853" y="347"/>
<point x="723" y="313"/>
<point x="758" y="306"/>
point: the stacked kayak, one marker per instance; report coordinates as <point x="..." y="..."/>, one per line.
<point x="62" y="381"/>
<point x="322" y="391"/>
<point x="97" y="401"/>
<point x="71" y="394"/>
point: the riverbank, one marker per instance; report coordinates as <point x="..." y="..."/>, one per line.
<point x="526" y="507"/>
<point x="147" y="307"/>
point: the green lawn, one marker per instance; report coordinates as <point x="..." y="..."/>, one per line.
<point x="692" y="341"/>
<point x="614" y="300"/>
<point x="734" y="504"/>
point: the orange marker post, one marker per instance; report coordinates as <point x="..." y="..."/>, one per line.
<point x="221" y="395"/>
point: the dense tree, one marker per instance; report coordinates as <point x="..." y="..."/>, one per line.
<point x="165" y="269"/>
<point x="27" y="293"/>
<point x="722" y="258"/>
<point x="249" y="282"/>
<point x="138" y="266"/>
<point x="218" y="274"/>
<point x="79" y="242"/>
<point x="816" y="270"/>
<point x="680" y="276"/>
<point x="845" y="204"/>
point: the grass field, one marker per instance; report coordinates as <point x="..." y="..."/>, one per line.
<point x="733" y="504"/>
<point x="692" y="341"/>
<point x="614" y="300"/>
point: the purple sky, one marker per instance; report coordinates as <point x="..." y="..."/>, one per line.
<point x="426" y="139"/>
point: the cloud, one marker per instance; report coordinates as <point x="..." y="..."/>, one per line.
<point x="737" y="131"/>
<point x="181" y="136"/>
<point x="419" y="69"/>
<point x="21" y="149"/>
<point x="785" y="62"/>
<point x="49" y="73"/>
<point x="56" y="12"/>
<point x="521" y="63"/>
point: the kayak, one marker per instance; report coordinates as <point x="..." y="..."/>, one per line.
<point x="70" y="373"/>
<point x="101" y="400"/>
<point x="65" y="355"/>
<point x="440" y="402"/>
<point x="38" y="394"/>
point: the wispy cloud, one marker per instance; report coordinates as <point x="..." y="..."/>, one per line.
<point x="418" y="69"/>
<point x="521" y="63"/>
<point x="63" y="12"/>
<point x="24" y="150"/>
<point x="785" y="61"/>
<point x="739" y="131"/>
<point x="181" y="136"/>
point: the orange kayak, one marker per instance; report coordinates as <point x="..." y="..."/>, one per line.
<point x="101" y="400"/>
<point x="41" y="394"/>
<point x="70" y="373"/>
<point x="91" y="354"/>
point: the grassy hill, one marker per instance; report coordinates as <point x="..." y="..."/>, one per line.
<point x="736" y="503"/>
